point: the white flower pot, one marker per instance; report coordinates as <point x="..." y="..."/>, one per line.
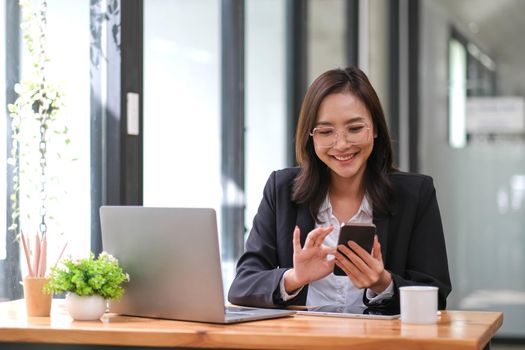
<point x="85" y="308"/>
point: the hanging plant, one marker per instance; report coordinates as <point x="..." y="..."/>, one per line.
<point x="35" y="123"/>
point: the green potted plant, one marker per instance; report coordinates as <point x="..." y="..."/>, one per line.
<point x="89" y="283"/>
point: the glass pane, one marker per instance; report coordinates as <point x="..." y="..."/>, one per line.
<point x="69" y="70"/>
<point x="377" y="47"/>
<point x="480" y="186"/>
<point x="265" y="98"/>
<point x="182" y="130"/>
<point x="326" y="36"/>
<point x="458" y="94"/>
<point x="181" y="104"/>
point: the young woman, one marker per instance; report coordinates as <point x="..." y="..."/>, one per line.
<point x="345" y="175"/>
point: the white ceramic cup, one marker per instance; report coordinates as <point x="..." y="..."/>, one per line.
<point x="418" y="304"/>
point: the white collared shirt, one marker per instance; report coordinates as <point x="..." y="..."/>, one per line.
<point x="332" y="289"/>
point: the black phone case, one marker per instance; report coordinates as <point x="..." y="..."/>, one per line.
<point x="361" y="234"/>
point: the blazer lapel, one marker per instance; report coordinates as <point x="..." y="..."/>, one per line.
<point x="382" y="222"/>
<point x="305" y="221"/>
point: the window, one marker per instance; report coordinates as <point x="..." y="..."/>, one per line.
<point x="67" y="181"/>
<point x="457" y="94"/>
<point x="265" y="98"/>
<point x="181" y="104"/>
<point x="182" y="121"/>
<point x="326" y="36"/>
<point x="471" y="74"/>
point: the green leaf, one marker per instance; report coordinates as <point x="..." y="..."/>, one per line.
<point x="12" y="108"/>
<point x="89" y="276"/>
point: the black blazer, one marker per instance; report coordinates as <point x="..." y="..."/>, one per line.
<point x="412" y="242"/>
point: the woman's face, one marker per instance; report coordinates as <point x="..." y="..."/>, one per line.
<point x="344" y="135"/>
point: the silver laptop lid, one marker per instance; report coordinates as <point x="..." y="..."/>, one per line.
<point x="172" y="257"/>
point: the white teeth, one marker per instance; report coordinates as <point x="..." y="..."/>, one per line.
<point x="343" y="158"/>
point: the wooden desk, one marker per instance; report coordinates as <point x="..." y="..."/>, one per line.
<point x="455" y="330"/>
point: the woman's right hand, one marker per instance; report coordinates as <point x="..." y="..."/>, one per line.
<point x="310" y="262"/>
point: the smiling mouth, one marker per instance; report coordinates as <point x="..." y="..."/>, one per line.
<point x="345" y="157"/>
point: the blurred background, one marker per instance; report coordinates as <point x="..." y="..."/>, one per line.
<point x="194" y="103"/>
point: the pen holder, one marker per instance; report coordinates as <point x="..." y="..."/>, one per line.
<point x="38" y="303"/>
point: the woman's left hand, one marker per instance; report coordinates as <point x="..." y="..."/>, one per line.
<point x="364" y="269"/>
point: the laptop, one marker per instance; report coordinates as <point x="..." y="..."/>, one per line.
<point x="173" y="260"/>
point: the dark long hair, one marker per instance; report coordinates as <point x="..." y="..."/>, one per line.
<point x="311" y="185"/>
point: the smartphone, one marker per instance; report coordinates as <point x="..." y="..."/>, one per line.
<point x="362" y="234"/>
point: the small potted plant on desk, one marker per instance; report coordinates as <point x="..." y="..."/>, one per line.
<point x="89" y="283"/>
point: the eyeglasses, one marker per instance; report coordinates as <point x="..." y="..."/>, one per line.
<point x="327" y="136"/>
